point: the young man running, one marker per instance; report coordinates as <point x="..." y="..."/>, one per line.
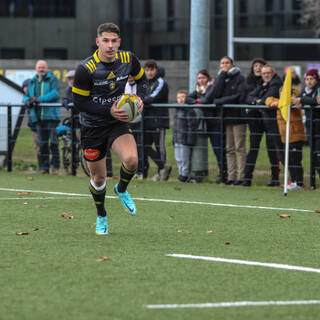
<point x="99" y="82"/>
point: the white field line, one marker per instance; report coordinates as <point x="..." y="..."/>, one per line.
<point x="246" y="262"/>
<point x="164" y="200"/>
<point x="232" y="304"/>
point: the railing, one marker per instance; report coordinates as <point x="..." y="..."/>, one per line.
<point x="220" y="117"/>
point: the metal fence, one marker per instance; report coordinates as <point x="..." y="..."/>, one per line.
<point x="221" y="117"/>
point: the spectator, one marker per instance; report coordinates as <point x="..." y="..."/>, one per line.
<point x="295" y="79"/>
<point x="268" y="88"/>
<point x="297" y="138"/>
<point x="182" y="138"/>
<point x="255" y="120"/>
<point x="310" y="97"/>
<point x="204" y="95"/>
<point x="229" y="88"/>
<point x="31" y="125"/>
<point x="156" y="121"/>
<point x="44" y="88"/>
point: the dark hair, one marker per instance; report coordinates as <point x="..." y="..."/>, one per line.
<point x="108" y="27"/>
<point x="254" y="61"/>
<point x="226" y="57"/>
<point x="152" y="64"/>
<point x="183" y="92"/>
<point x="205" y="73"/>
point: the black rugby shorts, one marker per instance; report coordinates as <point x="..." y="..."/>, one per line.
<point x="96" y="141"/>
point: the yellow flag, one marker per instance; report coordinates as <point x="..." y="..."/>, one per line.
<point x="285" y="96"/>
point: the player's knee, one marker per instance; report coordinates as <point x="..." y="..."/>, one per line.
<point x="131" y="163"/>
<point x="98" y="179"/>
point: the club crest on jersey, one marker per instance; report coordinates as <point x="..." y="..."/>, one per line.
<point x="112" y="85"/>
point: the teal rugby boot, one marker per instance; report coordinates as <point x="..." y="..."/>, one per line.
<point x="126" y="200"/>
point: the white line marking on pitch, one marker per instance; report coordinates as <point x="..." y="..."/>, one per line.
<point x="246" y="262"/>
<point x="164" y="200"/>
<point x="232" y="304"/>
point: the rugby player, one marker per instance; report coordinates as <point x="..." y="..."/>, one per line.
<point x="99" y="83"/>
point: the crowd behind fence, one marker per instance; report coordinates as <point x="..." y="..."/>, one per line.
<point x="6" y="119"/>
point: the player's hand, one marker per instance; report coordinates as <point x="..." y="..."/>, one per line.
<point x="141" y="105"/>
<point x="118" y="114"/>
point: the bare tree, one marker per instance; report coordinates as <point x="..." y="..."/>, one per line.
<point x="311" y="15"/>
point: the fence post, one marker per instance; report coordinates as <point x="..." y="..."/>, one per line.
<point x="312" y="155"/>
<point x="73" y="145"/>
<point x="142" y="142"/>
<point x="9" y="138"/>
<point x="222" y="142"/>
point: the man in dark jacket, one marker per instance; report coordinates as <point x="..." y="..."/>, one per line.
<point x="156" y="120"/>
<point x="44" y="88"/>
<point x="268" y="88"/>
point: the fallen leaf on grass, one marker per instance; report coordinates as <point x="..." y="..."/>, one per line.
<point x="210" y="231"/>
<point x="257" y="199"/>
<point x="103" y="259"/>
<point x="22" y="233"/>
<point x="35" y="229"/>
<point x="179" y="230"/>
<point x="317" y="211"/>
<point x="227" y="243"/>
<point x="171" y="217"/>
<point x="64" y="215"/>
<point x="25" y="193"/>
<point x="30" y="178"/>
<point x="284" y="215"/>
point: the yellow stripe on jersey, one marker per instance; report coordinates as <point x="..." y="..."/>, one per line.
<point x="128" y="56"/>
<point x="89" y="67"/>
<point x="95" y="55"/>
<point x="81" y="92"/>
<point x="117" y="56"/>
<point x="139" y="75"/>
<point x="93" y="66"/>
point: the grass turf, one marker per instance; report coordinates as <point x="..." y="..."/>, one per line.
<point x="52" y="273"/>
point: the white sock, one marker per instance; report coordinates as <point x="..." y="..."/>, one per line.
<point x="96" y="187"/>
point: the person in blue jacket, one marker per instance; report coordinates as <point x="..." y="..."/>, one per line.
<point x="44" y="88"/>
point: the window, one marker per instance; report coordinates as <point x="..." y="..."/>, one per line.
<point x="38" y="9"/>
<point x="169" y="52"/>
<point x="296" y="5"/>
<point x="170" y="15"/>
<point x="218" y="14"/>
<point x="148" y="15"/>
<point x="12" y="53"/>
<point x="55" y="53"/>
<point x="243" y="13"/>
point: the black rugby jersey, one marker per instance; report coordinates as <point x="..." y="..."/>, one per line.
<point x="98" y="84"/>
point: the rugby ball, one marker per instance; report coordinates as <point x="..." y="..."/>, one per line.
<point x="129" y="103"/>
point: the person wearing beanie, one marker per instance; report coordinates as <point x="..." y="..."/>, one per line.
<point x="310" y="96"/>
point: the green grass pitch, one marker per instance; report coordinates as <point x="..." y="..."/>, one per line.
<point x="53" y="272"/>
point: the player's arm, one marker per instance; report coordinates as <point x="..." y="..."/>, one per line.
<point x="140" y="79"/>
<point x="81" y="94"/>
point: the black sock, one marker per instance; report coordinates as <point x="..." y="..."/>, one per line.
<point x="125" y="177"/>
<point x="98" y="197"/>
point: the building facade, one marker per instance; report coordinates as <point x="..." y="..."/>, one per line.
<point x="158" y="29"/>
